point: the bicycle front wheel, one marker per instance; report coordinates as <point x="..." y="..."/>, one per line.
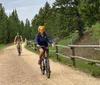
<point x="19" y="50"/>
<point x="42" y="66"/>
<point x="48" y="68"/>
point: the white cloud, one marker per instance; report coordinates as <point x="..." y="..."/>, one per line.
<point x="26" y="11"/>
<point x="23" y="8"/>
<point x="16" y="1"/>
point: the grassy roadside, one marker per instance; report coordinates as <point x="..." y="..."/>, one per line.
<point x="80" y="65"/>
<point x="2" y="46"/>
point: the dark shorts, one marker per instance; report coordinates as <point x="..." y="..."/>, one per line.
<point x="45" y="49"/>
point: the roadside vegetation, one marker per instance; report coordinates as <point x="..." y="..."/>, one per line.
<point x="80" y="65"/>
<point x="2" y="46"/>
<point x="68" y="20"/>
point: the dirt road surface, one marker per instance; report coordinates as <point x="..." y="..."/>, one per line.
<point x="24" y="70"/>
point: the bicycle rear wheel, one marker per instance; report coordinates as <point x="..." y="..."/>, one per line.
<point x="19" y="51"/>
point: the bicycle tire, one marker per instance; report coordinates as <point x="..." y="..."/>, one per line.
<point x="42" y="67"/>
<point x="47" y="68"/>
<point x="19" y="51"/>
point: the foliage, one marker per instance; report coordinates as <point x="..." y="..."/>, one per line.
<point x="61" y="20"/>
<point x="96" y="31"/>
<point x="2" y="46"/>
<point x="11" y="25"/>
<point x="80" y="64"/>
<point x="67" y="16"/>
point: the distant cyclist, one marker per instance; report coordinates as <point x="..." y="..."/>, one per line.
<point x="42" y="39"/>
<point x="18" y="40"/>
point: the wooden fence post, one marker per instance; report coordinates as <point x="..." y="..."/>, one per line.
<point x="73" y="54"/>
<point x="57" y="52"/>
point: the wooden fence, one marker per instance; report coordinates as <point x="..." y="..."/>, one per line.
<point x="73" y="57"/>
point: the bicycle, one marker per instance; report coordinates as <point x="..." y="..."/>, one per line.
<point x="45" y="64"/>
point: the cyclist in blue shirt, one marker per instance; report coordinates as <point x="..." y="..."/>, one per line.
<point x="41" y="40"/>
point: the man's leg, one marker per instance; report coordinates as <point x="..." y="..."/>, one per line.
<point x="17" y="47"/>
<point x="21" y="47"/>
<point x="47" y="51"/>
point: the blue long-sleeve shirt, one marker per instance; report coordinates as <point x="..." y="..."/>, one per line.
<point x="43" y="41"/>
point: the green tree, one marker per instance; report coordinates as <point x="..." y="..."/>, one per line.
<point x="11" y="25"/>
<point x="3" y="26"/>
<point x="90" y="11"/>
<point x="28" y="30"/>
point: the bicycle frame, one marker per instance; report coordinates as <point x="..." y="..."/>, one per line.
<point x="45" y="66"/>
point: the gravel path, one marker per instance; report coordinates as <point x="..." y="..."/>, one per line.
<point x="24" y="70"/>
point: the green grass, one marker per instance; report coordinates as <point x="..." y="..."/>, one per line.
<point x="66" y="41"/>
<point x="2" y="46"/>
<point x="81" y="65"/>
<point x="69" y="39"/>
<point x="88" y="67"/>
<point x="30" y="49"/>
<point x="96" y="31"/>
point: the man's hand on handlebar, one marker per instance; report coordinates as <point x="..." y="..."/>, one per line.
<point x="38" y="46"/>
<point x="14" y="42"/>
<point x="53" y="45"/>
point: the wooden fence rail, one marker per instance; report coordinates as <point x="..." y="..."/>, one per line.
<point x="74" y="57"/>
